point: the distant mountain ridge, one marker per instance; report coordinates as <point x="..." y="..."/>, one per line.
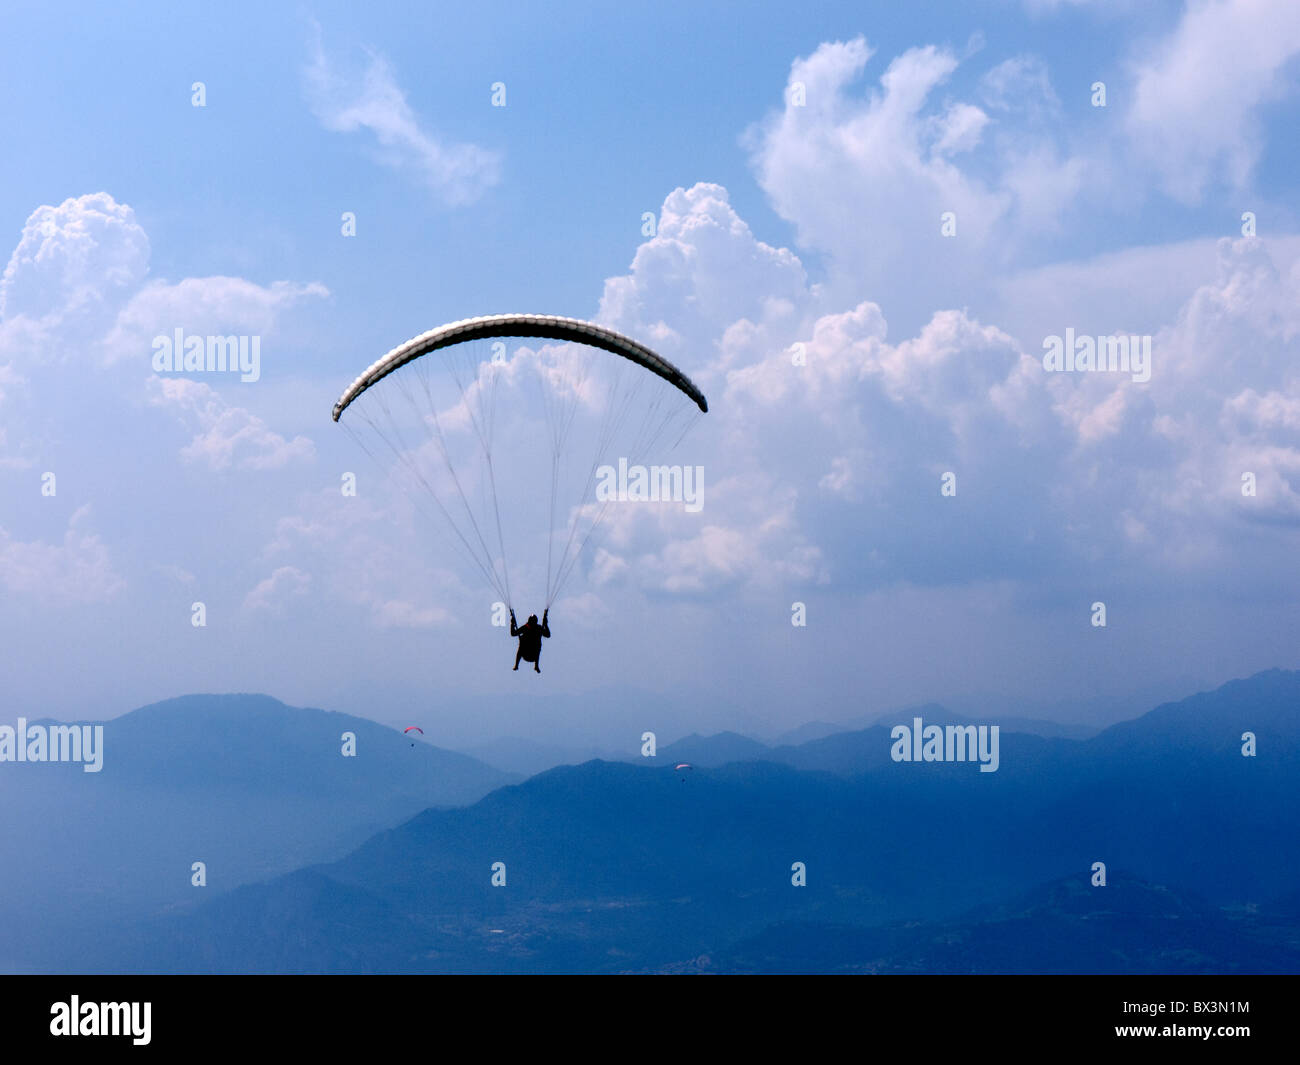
<point x="518" y="755"/>
<point x="1064" y="926"/>
<point x="626" y="867"/>
<point x="249" y="786"/>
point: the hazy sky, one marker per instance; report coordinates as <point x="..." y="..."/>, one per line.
<point x="799" y="168"/>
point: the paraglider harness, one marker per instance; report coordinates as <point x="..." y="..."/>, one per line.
<point x="530" y="637"/>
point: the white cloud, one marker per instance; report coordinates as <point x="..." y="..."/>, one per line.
<point x="226" y="436"/>
<point x="703" y="268"/>
<point x="867" y="178"/>
<point x="746" y="536"/>
<point x="867" y="174"/>
<point x="1196" y="98"/>
<point x="177" y="573"/>
<point x="79" y="570"/>
<point x="841" y="479"/>
<point x="82" y="252"/>
<point x="271" y="594"/>
<point x="202" y="306"/>
<point x="75" y="297"/>
<point x="403" y="614"/>
<point x="73" y="267"/>
<point x="1060" y="463"/>
<point x="1022" y="86"/>
<point x="8" y="378"/>
<point x="1137" y="289"/>
<point x="585" y="610"/>
<point x="373" y="101"/>
<point x="1226" y="392"/>
<point x="959" y="129"/>
<point x="371" y="555"/>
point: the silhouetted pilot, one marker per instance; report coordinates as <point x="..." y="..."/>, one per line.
<point x="530" y="638"/>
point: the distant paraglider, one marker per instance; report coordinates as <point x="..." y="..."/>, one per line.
<point x="682" y="768"/>
<point x="412" y="728"/>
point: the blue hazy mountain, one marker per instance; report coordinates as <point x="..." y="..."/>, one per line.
<point x="1010" y="723"/>
<point x="838" y="749"/>
<point x="631" y="867"/>
<point x="1066" y="926"/>
<point x="618" y="716"/>
<point x="820" y="730"/>
<point x="715" y="750"/>
<point x="249" y="786"/>
<point x="526" y="758"/>
<point x="811" y="730"/>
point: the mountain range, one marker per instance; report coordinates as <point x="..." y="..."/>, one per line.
<point x="920" y="866"/>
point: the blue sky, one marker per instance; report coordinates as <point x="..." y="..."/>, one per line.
<point x="127" y="213"/>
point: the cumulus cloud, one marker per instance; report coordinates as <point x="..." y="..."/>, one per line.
<point x="371" y="556"/>
<point x="403" y="614"/>
<point x="9" y="380"/>
<point x="867" y="177"/>
<point x="179" y="574"/>
<point x="78" y="307"/>
<point x="1022" y="86"/>
<point x="226" y="436"/>
<point x="201" y="306"/>
<point x="372" y="101"/>
<point x="712" y="296"/>
<point x="704" y="269"/>
<point x="1196" y="95"/>
<point x="75" y="296"/>
<point x="1226" y="392"/>
<point x="78" y="570"/>
<point x="73" y="267"/>
<point x="866" y="173"/>
<point x="959" y="129"/>
<point x="85" y="251"/>
<point x="815" y="410"/>
<point x="810" y="409"/>
<point x="284" y="583"/>
<point x="746" y="536"/>
<point x="585" y="610"/>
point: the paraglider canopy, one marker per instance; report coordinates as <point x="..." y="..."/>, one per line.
<point x="520" y="325"/>
<point x="484" y="414"/>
